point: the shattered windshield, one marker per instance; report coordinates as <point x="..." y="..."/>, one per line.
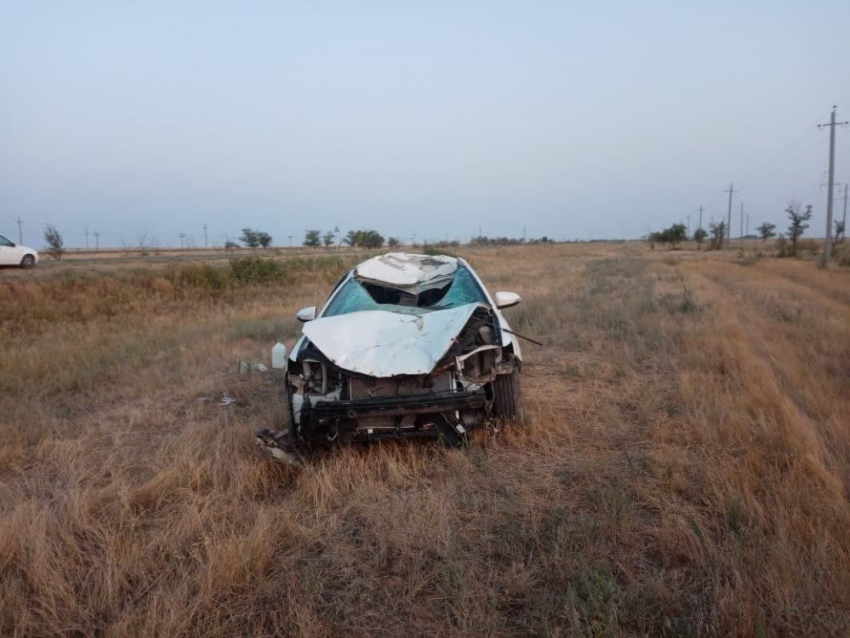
<point x="354" y="296"/>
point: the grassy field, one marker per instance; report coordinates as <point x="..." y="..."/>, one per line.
<point x="684" y="468"/>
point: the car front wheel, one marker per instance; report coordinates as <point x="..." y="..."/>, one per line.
<point x="28" y="261"/>
<point x="507" y="399"/>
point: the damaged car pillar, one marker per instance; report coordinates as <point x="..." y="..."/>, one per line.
<point x="405" y="346"/>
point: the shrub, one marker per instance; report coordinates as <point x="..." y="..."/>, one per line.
<point x="674" y="235"/>
<point x="254" y="270"/>
<point x="364" y="239"/>
<point x="799" y="223"/>
<point x="194" y="276"/>
<point x="312" y="239"/>
<point x="718" y="235"/>
<point x="54" y="241"/>
<point x="255" y="238"/>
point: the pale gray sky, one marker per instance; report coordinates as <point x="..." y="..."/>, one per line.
<point x="577" y="119"/>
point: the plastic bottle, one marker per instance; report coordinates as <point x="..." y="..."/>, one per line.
<point x="279" y="356"/>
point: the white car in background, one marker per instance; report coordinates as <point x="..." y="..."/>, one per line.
<point x="12" y="254"/>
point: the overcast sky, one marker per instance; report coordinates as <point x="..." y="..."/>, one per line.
<point x="581" y="120"/>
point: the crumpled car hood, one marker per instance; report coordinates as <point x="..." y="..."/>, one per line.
<point x="379" y="343"/>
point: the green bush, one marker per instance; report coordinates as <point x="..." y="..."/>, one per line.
<point x="202" y="276"/>
<point x="256" y="270"/>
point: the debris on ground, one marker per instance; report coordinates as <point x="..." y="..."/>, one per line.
<point x="245" y="366"/>
<point x="278" y="445"/>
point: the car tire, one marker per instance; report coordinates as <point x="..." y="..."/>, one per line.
<point x="507" y="398"/>
<point x="28" y="262"/>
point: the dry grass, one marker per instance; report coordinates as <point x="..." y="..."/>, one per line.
<point x="685" y="468"/>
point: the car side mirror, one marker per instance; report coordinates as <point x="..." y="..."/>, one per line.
<point x="306" y="314"/>
<point x="507" y="299"/>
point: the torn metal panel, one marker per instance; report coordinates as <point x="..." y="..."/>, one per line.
<point x="386" y="344"/>
<point x="410" y="272"/>
<point x="479" y="366"/>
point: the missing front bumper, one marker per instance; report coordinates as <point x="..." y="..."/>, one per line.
<point x="384" y="417"/>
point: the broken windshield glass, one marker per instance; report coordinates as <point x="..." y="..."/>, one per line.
<point x="355" y="296"/>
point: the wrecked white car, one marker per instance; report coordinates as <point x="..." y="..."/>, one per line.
<point x="405" y="346"/>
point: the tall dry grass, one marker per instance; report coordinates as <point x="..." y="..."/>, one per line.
<point x="685" y="467"/>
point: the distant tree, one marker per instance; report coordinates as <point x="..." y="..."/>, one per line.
<point x="673" y="235"/>
<point x="312" y="239"/>
<point x="798" y="224"/>
<point x="145" y="243"/>
<point x="839" y="233"/>
<point x="265" y="239"/>
<point x="718" y="234"/>
<point x="250" y="237"/>
<point x="483" y="240"/>
<point x="364" y="238"/>
<point x="230" y="245"/>
<point x="700" y="235"/>
<point x="54" y="241"/>
<point x="328" y="238"/>
<point x="766" y="231"/>
<point x="393" y="242"/>
<point x="371" y="239"/>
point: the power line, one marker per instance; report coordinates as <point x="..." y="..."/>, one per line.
<point x="97" y="240"/>
<point x="827" y="251"/>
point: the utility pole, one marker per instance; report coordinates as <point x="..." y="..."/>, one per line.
<point x="700" y="216"/>
<point x="742" y="221"/>
<point x="827" y="250"/>
<point x="96" y="241"/>
<point x="731" y="191"/>
<point x="206" y="243"/>
<point x="182" y="240"/>
<point x="20" y="231"/>
<point x="87" y="237"/>
<point x="290" y="240"/>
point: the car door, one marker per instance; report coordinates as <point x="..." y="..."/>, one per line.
<point x="9" y="253"/>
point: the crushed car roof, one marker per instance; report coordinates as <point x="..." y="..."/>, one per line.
<point x="405" y="270"/>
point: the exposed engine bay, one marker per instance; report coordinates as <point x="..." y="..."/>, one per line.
<point x="330" y="402"/>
